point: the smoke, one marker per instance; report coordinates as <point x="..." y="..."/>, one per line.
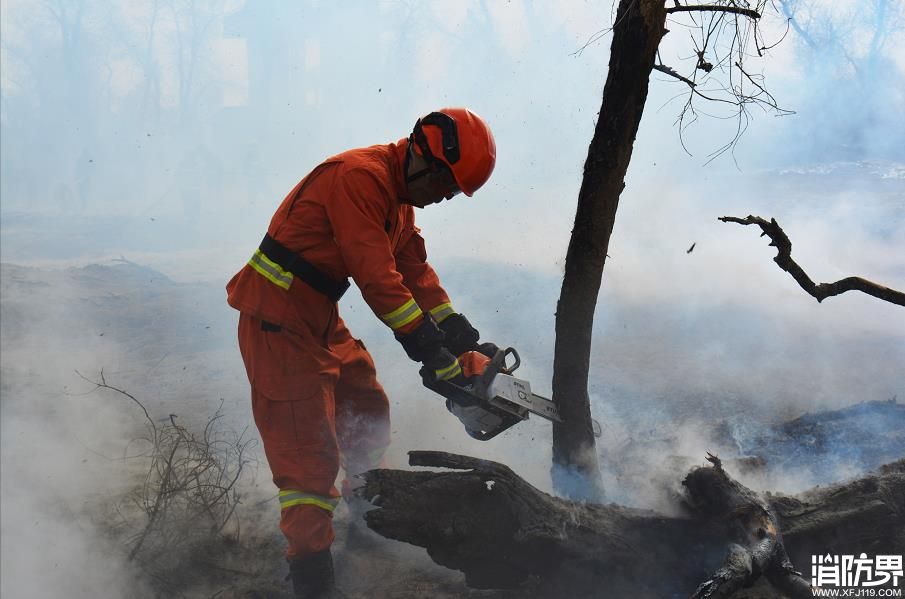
<point x="61" y="449"/>
<point x="53" y="498"/>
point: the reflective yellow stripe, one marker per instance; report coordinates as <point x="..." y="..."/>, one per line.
<point x="270" y="270"/>
<point x="402" y="315"/>
<point x="289" y="498"/>
<point x="453" y="370"/>
<point x="442" y="312"/>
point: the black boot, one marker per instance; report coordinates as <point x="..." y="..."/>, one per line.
<point x="312" y="576"/>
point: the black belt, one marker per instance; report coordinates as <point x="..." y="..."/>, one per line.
<point x="294" y="263"/>
<point x="269" y="327"/>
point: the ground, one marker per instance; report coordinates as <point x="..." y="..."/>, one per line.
<point x="172" y="345"/>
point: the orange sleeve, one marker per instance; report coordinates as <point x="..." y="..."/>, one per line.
<point x="421" y="278"/>
<point x="358" y="212"/>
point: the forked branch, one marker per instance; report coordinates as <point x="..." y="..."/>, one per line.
<point x="820" y="291"/>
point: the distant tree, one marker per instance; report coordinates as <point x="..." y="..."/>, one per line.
<point x="51" y="85"/>
<point x="86" y="82"/>
<point x="195" y="23"/>
<point x="852" y="47"/>
<point x="136" y="35"/>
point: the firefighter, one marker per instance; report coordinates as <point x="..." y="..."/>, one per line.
<point x="315" y="396"/>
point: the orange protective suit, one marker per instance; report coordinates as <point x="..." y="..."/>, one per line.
<point x="315" y="396"/>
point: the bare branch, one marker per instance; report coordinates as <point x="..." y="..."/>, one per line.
<point x="665" y="69"/>
<point x="736" y="10"/>
<point x="190" y="489"/>
<point x="771" y="101"/>
<point x="103" y="385"/>
<point x="723" y="39"/>
<point x="820" y="291"/>
<point x="596" y="36"/>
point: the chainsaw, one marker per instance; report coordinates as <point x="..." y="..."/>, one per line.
<point x="492" y="400"/>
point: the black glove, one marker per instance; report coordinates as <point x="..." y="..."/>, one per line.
<point x="422" y="343"/>
<point x="442" y="366"/>
<point x="460" y="336"/>
<point x="488" y="349"/>
<point x="425" y="345"/>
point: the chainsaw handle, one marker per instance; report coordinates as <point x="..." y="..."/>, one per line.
<point x="497" y="364"/>
<point x="509" y="351"/>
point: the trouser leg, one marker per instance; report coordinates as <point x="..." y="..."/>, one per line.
<point x="362" y="409"/>
<point x="293" y="378"/>
<point x="299" y="441"/>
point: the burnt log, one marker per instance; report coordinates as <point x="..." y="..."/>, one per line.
<point x="481" y="518"/>
<point x="756" y="545"/>
<point x="866" y="515"/>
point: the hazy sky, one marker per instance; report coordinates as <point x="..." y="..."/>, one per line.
<point x="168" y="132"/>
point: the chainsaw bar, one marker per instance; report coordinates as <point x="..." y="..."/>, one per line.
<point x="497" y="400"/>
<point x="506" y="388"/>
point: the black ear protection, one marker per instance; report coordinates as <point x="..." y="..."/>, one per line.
<point x="449" y="133"/>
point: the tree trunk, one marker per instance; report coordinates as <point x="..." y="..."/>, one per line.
<point x="636" y="35"/>
<point x="503" y="533"/>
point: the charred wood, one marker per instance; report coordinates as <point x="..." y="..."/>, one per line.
<point x="481" y="518"/>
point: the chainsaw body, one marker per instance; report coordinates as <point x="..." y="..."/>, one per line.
<point x="493" y="400"/>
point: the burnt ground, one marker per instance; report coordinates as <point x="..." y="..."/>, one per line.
<point x="366" y="566"/>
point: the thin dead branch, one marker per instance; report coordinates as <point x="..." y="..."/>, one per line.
<point x="819" y="291"/>
<point x="736" y="10"/>
<point x="190" y="490"/>
<point x="102" y="384"/>
<point x="672" y="73"/>
<point x="724" y="36"/>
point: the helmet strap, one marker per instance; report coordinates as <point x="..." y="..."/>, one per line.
<point x="432" y="166"/>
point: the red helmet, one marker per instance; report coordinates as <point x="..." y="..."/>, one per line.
<point x="462" y="141"/>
